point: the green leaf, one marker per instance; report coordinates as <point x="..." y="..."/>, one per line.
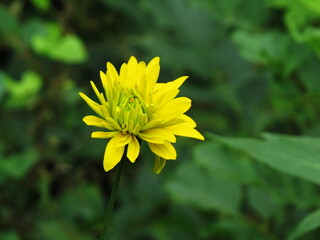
<point x="22" y="93"/>
<point x="294" y="155"/>
<point x="218" y="161"/>
<point x="309" y="223"/>
<point x="18" y="165"/>
<point x="309" y="76"/>
<point x="195" y="186"/>
<point x="260" y="47"/>
<point x="262" y="201"/>
<point x="312" y="5"/>
<point x="52" y="44"/>
<point x="301" y="19"/>
<point x="69" y="49"/>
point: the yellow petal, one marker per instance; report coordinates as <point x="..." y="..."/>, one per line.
<point x="185" y="130"/>
<point x="165" y="150"/>
<point x="160" y="133"/>
<point x="124" y="139"/>
<point x="154" y="61"/>
<point x="151" y="138"/>
<point x="188" y="119"/>
<point x="159" y="123"/>
<point x="141" y="69"/>
<point x="99" y="134"/>
<point x="112" y="71"/>
<point x="132" y="68"/>
<point x="113" y="123"/>
<point x="98" y="94"/>
<point x="159" y="164"/>
<point x="153" y="70"/>
<point x="152" y="124"/>
<point x="176" y="83"/>
<point x="113" y="154"/>
<point x="174" y="108"/>
<point x="132" y="60"/>
<point x="161" y="98"/>
<point x="133" y="149"/>
<point x="103" y="78"/>
<point x="123" y="73"/>
<point x="92" y="104"/>
<point x="97" y="122"/>
<point x="169" y="90"/>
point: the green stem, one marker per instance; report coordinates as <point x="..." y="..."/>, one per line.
<point x="111" y="201"/>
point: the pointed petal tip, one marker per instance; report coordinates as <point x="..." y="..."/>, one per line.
<point x="159" y="164"/>
<point x="132" y="59"/>
<point x="86" y="120"/>
<point x="157" y="171"/>
<point x="201" y="137"/>
<point x="156" y="59"/>
<point x="197" y="135"/>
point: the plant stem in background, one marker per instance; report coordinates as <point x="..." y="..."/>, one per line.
<point x="112" y="201"/>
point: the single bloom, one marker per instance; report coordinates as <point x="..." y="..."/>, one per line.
<point x="134" y="107"/>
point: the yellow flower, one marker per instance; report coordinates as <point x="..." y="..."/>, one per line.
<point x="134" y="106"/>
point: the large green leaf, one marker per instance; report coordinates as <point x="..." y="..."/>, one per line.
<point x="310" y="222"/>
<point x="220" y="162"/>
<point x="262" y="201"/>
<point x="298" y="156"/>
<point x="195" y="186"/>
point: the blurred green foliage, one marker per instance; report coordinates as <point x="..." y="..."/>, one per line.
<point x="254" y="68"/>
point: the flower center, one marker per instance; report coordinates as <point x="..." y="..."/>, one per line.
<point x="128" y="109"/>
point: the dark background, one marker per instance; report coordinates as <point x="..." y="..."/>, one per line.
<point x="253" y="67"/>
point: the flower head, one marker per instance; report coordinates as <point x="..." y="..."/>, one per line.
<point x="134" y="106"/>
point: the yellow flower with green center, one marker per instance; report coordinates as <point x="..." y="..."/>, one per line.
<point x="134" y="106"/>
